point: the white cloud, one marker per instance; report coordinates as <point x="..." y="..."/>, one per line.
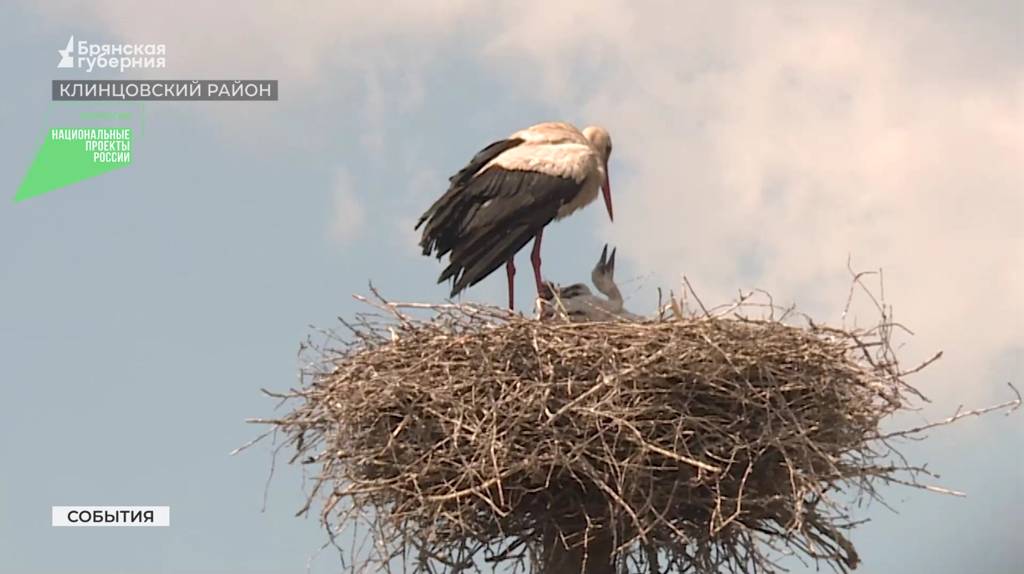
<point x="347" y="214"/>
<point x="271" y="39"/>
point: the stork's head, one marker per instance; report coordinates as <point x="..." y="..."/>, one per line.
<point x="602" y="142"/>
<point x="603" y="276"/>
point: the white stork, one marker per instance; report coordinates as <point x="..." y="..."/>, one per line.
<point x="508" y="193"/>
<point x="579" y="304"/>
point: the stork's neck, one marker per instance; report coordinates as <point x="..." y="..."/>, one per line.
<point x="608" y="287"/>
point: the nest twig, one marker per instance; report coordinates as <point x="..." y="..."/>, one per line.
<point x="464" y="436"/>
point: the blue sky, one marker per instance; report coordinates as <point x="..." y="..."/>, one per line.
<point x="141" y="311"/>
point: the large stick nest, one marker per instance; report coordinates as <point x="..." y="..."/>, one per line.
<point x="695" y="444"/>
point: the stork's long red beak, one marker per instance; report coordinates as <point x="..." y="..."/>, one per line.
<point x="606" y="190"/>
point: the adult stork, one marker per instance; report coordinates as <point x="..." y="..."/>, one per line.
<point x="508" y="193"/>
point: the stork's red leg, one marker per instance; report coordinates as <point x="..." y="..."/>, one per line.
<point x="535" y="259"/>
<point x="510" y="270"/>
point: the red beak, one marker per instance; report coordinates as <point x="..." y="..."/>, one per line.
<point x="606" y="190"/>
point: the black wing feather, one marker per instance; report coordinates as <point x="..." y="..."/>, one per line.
<point x="460" y="179"/>
<point x="484" y="219"/>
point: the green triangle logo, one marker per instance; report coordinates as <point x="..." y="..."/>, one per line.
<point x="70" y="155"/>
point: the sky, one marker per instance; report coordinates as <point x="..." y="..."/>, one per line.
<point x="756" y="146"/>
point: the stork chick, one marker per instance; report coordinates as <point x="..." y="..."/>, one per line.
<point x="580" y="304"/>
